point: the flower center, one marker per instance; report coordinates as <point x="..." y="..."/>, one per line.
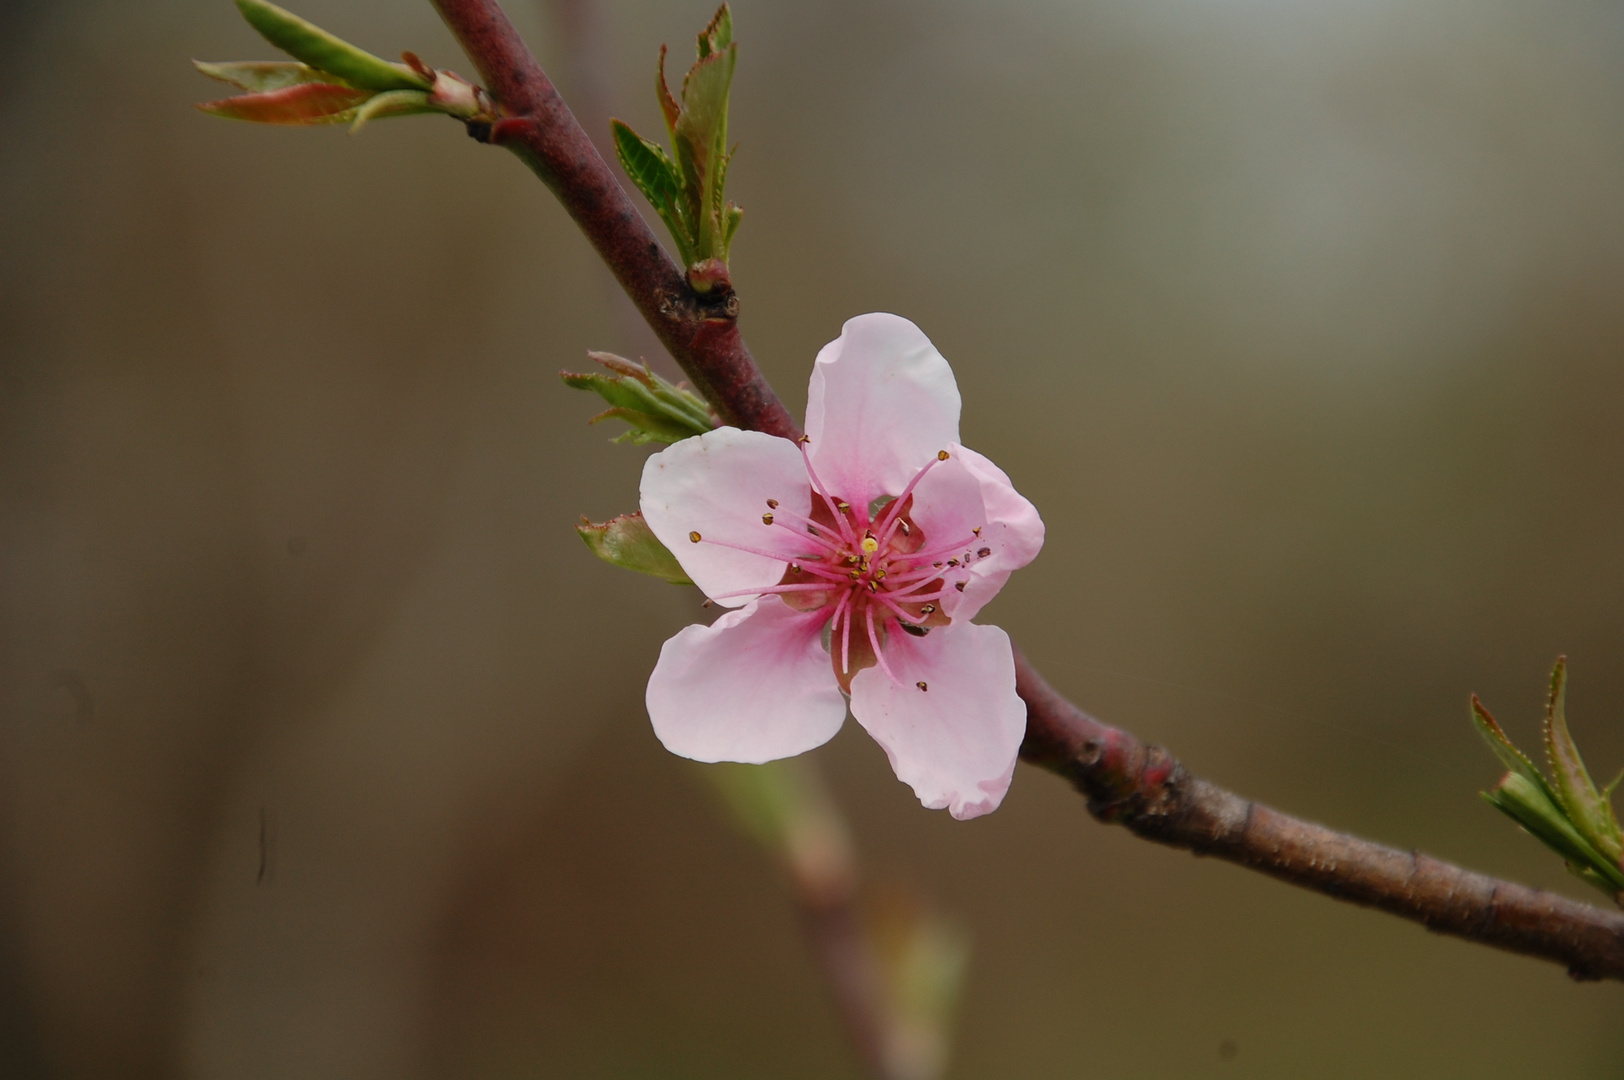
<point x="870" y="569"/>
<point x="873" y="570"/>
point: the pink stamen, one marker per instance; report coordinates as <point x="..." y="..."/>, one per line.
<point x="830" y="541"/>
<point x="892" y="514"/>
<point x="906" y="577"/>
<point x="817" y="485"/>
<point x="954" y="549"/>
<point x="916" y="598"/>
<point x="905" y="616"/>
<point x="874" y="641"/>
<point x="773" y="589"/>
<point x="827" y="573"/>
<point x="845" y="634"/>
<point x="777" y="556"/>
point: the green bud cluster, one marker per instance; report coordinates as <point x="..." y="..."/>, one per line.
<point x="686" y="186"/>
<point x="1566" y="812"/>
<point x="656" y="411"/>
<point x="330" y="81"/>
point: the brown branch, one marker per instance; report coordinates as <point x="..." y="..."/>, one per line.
<point x="1127" y="783"/>
<point x="1147" y="790"/>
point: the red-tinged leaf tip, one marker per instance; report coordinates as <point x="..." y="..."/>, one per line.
<point x="413" y="61"/>
<point x="622" y="366"/>
<point x="668" y="104"/>
<point x="307" y="103"/>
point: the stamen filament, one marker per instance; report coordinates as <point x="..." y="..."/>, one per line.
<point x="778" y="556"/>
<point x="893" y="512"/>
<point x="812" y="587"/>
<point x="846" y="533"/>
<point x="845" y="636"/>
<point x="918" y="556"/>
<point x="874" y="642"/>
<point x="815" y="530"/>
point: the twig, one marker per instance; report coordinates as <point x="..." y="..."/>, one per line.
<point x="702" y="335"/>
<point x="1128" y="783"/>
<point x="1147" y="790"/>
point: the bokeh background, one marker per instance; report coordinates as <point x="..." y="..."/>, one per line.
<point x="322" y="751"/>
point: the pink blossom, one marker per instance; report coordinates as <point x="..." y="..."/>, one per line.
<point x="855" y="561"/>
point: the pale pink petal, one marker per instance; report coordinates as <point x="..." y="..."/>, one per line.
<point x="716" y="485"/>
<point x="881" y="404"/>
<point x="968" y="501"/>
<point x="753" y="686"/>
<point x="1014" y="533"/>
<point x="955" y="741"/>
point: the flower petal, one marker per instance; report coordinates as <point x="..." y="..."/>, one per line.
<point x="716" y="485"/>
<point x="1014" y="534"/>
<point x="753" y="686"/>
<point x="881" y="403"/>
<point x="954" y="742"/>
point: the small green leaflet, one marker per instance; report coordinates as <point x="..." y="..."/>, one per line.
<point x="325" y="52"/>
<point x="628" y="542"/>
<point x="656" y="176"/>
<point x="686" y="186"/>
<point x="262" y="76"/>
<point x="656" y="410"/>
<point x="1567" y="814"/>
<point x="1591" y="814"/>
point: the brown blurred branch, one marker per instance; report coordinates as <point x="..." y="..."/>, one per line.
<point x="1127" y="783"/>
<point x="1150" y="792"/>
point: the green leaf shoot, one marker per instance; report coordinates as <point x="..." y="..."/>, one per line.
<point x="302" y="104"/>
<point x="330" y="81"/>
<point x="656" y="410"/>
<point x="1566" y="814"/>
<point x="687" y="186"/>
<point x="261" y="76"/>
<point x="656" y="176"/>
<point x="1590" y="813"/>
<point x="628" y="542"/>
<point x="392" y="103"/>
<point x="325" y="52"/>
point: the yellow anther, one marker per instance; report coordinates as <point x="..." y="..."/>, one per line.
<point x="870" y="545"/>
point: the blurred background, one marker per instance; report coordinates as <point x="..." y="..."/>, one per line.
<point x="322" y="748"/>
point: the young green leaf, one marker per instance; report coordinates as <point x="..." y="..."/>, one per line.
<point x="688" y="186"/>
<point x="306" y="103"/>
<point x="628" y="542"/>
<point x="392" y="103"/>
<point x="718" y="33"/>
<point x="668" y="104"/>
<point x="260" y="76"/>
<point x="316" y="47"/>
<point x="701" y="144"/>
<point x="656" y="176"/>
<point x="656" y="410"/>
<point x="1527" y="803"/>
<point x="1590" y="813"/>
<point x="1511" y="757"/>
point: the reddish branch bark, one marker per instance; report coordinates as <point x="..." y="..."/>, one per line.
<point x="1147" y="790"/>
<point x="1141" y="787"/>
